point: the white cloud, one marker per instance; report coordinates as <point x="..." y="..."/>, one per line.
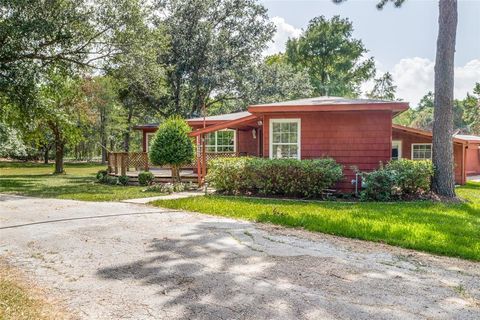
<point x="284" y="31"/>
<point x="414" y="77"/>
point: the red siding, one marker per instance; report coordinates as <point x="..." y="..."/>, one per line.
<point x="473" y="159"/>
<point x="246" y="144"/>
<point x="361" y="139"/>
<point x="408" y="138"/>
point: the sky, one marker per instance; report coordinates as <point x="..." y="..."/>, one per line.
<point x="402" y="40"/>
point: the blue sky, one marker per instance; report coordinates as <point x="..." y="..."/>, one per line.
<point x="402" y="40"/>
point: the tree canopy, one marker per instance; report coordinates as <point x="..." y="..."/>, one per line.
<point x="333" y="59"/>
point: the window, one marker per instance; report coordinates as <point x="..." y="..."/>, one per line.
<point x="220" y="141"/>
<point x="396" y="149"/>
<point x="421" y="151"/>
<point x="285" y="138"/>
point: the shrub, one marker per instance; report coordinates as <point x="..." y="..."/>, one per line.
<point x="412" y="177"/>
<point x="172" y="145"/>
<point x="378" y="185"/>
<point x="400" y="178"/>
<point x="123" y="180"/>
<point x="101" y="174"/>
<point x="145" y="178"/>
<point x="283" y="177"/>
<point x="168" y="187"/>
<point x="110" y="180"/>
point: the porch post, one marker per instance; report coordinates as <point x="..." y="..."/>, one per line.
<point x="199" y="173"/>
<point x="204" y="159"/>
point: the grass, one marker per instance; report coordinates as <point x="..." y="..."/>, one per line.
<point x="451" y="229"/>
<point x="35" y="179"/>
<point x="19" y="301"/>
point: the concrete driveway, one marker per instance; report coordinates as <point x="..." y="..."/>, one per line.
<point x="130" y="261"/>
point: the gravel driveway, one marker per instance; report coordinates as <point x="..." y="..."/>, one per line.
<point x="129" y="261"/>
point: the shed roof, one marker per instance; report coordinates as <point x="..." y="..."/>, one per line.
<point x="466" y="137"/>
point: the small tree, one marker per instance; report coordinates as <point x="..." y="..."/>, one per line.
<point x="172" y="145"/>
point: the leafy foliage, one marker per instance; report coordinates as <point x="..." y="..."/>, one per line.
<point x="145" y="178"/>
<point x="283" y="177"/>
<point x="383" y="89"/>
<point x="11" y="143"/>
<point x="172" y="145"/>
<point x="398" y="179"/>
<point x="331" y="57"/>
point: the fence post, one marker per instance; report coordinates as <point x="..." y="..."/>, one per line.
<point x="109" y="162"/>
<point x="116" y="163"/>
<point x="123" y="163"/>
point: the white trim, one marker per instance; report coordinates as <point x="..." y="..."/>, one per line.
<point x="216" y="144"/>
<point x="399" y="143"/>
<point x="285" y="120"/>
<point x="420" y="144"/>
<point x="147" y="137"/>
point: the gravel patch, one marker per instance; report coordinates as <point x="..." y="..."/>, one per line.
<point x="131" y="261"/>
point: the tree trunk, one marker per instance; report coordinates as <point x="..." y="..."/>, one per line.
<point x="59" y="157"/>
<point x="444" y="178"/>
<point x="126" y="134"/>
<point x="103" y="133"/>
<point x="45" y="154"/>
<point x="175" y="174"/>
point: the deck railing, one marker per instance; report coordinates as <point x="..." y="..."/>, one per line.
<point x="119" y="163"/>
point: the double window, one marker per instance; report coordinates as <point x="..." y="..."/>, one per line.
<point x="221" y="141"/>
<point x="421" y="151"/>
<point x="285" y="138"/>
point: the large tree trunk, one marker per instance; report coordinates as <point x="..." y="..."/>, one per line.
<point x="444" y="178"/>
<point x="59" y="146"/>
<point x="103" y="133"/>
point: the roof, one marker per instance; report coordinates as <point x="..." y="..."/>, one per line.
<point x="456" y="137"/>
<point x="326" y="100"/>
<point x="466" y="137"/>
<point x="330" y="104"/>
<point x="222" y="117"/>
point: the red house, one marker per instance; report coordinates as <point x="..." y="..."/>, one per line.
<point x="355" y="132"/>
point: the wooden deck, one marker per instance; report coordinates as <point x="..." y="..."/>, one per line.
<point x="162" y="175"/>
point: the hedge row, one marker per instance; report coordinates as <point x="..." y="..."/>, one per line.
<point x="282" y="177"/>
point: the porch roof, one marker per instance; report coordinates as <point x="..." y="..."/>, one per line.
<point x="425" y="133"/>
<point x="226" y="124"/>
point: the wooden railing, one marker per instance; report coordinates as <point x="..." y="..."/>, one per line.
<point x="120" y="163"/>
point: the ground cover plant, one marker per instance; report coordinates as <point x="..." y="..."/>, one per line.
<point x="79" y="182"/>
<point x="450" y="229"/>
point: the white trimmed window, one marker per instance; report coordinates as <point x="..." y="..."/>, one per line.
<point x="285" y="138"/>
<point x="221" y="141"/>
<point x="396" y="149"/>
<point x="421" y="151"/>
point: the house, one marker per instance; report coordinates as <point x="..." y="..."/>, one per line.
<point x="355" y="132"/>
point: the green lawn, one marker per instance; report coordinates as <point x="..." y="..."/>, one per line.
<point x="445" y="229"/>
<point x="34" y="179"/>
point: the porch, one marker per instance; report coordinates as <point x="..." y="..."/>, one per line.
<point x="132" y="163"/>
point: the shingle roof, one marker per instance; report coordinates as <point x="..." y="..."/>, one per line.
<point x="223" y="117"/>
<point x="325" y="100"/>
<point x="467" y="137"/>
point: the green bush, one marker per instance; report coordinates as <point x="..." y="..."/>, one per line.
<point x="168" y="187"/>
<point x="145" y="178"/>
<point x="398" y="179"/>
<point x="110" y="180"/>
<point x="412" y="177"/>
<point x="123" y="180"/>
<point x="172" y="145"/>
<point x="283" y="177"/>
<point x="378" y="185"/>
<point x="101" y="174"/>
